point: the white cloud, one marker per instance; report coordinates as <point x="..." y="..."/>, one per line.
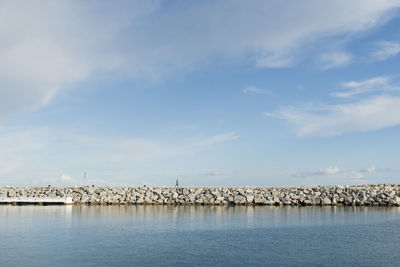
<point x="385" y="50"/>
<point x="15" y="148"/>
<point x="213" y="173"/>
<point x="63" y="180"/>
<point x="374" y="113"/>
<point x="375" y="84"/>
<point x="216" y="139"/>
<point x="67" y="179"/>
<point x="359" y="181"/>
<point x="42" y="154"/>
<point x="376" y="81"/>
<point x="371" y="168"/>
<point x="331" y="170"/>
<point x="356" y="175"/>
<point x="334" y="59"/>
<point x="48" y="46"/>
<point x="276" y="60"/>
<point x="368" y="112"/>
<point x="256" y="90"/>
<point x="336" y="171"/>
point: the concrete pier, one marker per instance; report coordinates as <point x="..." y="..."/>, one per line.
<point x="36" y="200"/>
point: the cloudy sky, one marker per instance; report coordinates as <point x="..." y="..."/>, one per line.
<point x="209" y="92"/>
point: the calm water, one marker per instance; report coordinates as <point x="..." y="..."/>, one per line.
<point x="184" y="235"/>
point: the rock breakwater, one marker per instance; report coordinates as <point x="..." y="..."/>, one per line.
<point x="364" y="195"/>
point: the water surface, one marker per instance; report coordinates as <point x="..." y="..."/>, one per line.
<point x="198" y="235"/>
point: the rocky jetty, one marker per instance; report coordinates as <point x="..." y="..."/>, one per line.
<point x="364" y="195"/>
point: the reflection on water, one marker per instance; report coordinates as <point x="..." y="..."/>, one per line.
<point x="199" y="235"/>
<point x="197" y="217"/>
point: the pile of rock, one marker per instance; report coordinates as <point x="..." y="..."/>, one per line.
<point x="368" y="195"/>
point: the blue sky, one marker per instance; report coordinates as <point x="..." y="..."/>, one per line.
<point x="210" y="92"/>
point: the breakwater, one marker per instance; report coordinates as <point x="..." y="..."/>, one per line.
<point x="364" y="195"/>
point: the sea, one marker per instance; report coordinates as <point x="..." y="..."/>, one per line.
<point x="199" y="236"/>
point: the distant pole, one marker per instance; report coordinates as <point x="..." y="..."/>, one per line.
<point x="176" y="184"/>
<point x="84" y="179"/>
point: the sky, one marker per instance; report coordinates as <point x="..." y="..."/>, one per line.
<point x="212" y="93"/>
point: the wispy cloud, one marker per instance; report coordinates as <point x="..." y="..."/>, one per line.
<point x="216" y="139"/>
<point x="368" y="112"/>
<point x="45" y="152"/>
<point x="39" y="57"/>
<point x="276" y="59"/>
<point x="145" y="40"/>
<point x="370" y="169"/>
<point x="256" y="90"/>
<point x="367" y="115"/>
<point x="334" y="59"/>
<point x="334" y="170"/>
<point x="385" y="50"/>
<point x="63" y="180"/>
<point x="376" y="84"/>
<point x="320" y="172"/>
<point x="213" y="173"/>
